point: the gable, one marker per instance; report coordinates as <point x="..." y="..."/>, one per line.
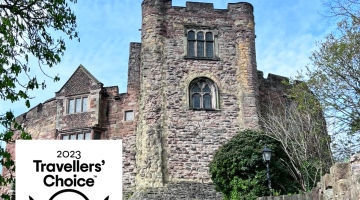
<point x="80" y="82"/>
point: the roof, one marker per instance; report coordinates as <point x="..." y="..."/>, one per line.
<point x="81" y="67"/>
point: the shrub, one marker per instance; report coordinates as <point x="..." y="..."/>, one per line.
<point x="238" y="171"/>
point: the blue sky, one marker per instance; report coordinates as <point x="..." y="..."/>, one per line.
<point x="286" y="34"/>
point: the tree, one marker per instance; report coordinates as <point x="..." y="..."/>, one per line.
<point x="26" y="29"/>
<point x="297" y="122"/>
<point x="238" y="171"/>
<point x="333" y="75"/>
<point x="341" y="9"/>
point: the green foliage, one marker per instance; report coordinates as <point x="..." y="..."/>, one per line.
<point x="238" y="171"/>
<point x="334" y="73"/>
<point x="25" y="33"/>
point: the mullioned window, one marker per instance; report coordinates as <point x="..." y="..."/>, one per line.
<point x="201" y="44"/>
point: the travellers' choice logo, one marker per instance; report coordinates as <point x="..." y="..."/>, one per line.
<point x="51" y="180"/>
<point x="62" y="170"/>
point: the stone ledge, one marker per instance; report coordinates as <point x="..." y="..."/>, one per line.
<point x="183" y="190"/>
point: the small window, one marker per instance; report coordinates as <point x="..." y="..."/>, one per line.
<point x="209" y="45"/>
<point x="97" y="136"/>
<point x="65" y="137"/>
<point x="73" y="137"/>
<point x="87" y="136"/>
<point x="129" y="115"/>
<point x="77" y="105"/>
<point x="84" y="104"/>
<point x="203" y="94"/>
<point x="71" y="106"/>
<point x="201" y="46"/>
<point x="191" y="44"/>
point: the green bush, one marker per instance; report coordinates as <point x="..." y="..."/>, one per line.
<point x="238" y="171"/>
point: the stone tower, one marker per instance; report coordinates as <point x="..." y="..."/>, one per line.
<point x="198" y="87"/>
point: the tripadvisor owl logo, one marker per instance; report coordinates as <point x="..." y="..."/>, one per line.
<point x="68" y="190"/>
<point x="63" y="170"/>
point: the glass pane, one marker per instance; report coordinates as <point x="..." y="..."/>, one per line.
<point x="191" y="49"/>
<point x="129" y="115"/>
<point x="80" y="136"/>
<point x="71" y="106"/>
<point x="207" y="88"/>
<point x="78" y="105"/>
<point x="84" y="104"/>
<point x="207" y="101"/>
<point x="200" y="49"/>
<point x="209" y="49"/>
<point x="196" y="88"/>
<point x="87" y="136"/>
<point x="209" y="36"/>
<point x="97" y="136"/>
<point x="196" y="101"/>
<point x="72" y="137"/>
<point x="65" y="137"/>
<point x="200" y="36"/>
<point x="191" y="35"/>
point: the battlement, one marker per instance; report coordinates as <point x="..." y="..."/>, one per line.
<point x="240" y="7"/>
<point x="197" y="6"/>
<point x="271" y="78"/>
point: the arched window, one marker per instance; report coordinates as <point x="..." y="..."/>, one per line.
<point x="203" y="94"/>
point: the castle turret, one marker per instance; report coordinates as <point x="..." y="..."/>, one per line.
<point x="244" y="26"/>
<point x="149" y="134"/>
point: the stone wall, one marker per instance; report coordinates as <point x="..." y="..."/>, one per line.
<point x="40" y="121"/>
<point x="343" y="183"/>
<point x="174" y="191"/>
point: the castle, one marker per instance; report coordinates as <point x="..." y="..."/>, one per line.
<point x="193" y="84"/>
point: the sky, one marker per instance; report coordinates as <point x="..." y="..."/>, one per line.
<point x="286" y="31"/>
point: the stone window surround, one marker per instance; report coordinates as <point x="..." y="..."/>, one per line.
<point x="205" y="30"/>
<point x="74" y="97"/>
<point x="133" y="116"/>
<point x="214" y="96"/>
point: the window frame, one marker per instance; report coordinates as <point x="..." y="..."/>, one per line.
<point x="77" y="135"/>
<point x="202" y="82"/>
<point x="74" y="98"/>
<point x="196" y="43"/>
